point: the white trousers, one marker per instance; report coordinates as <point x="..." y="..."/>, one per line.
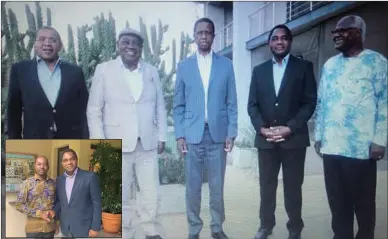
<point x="140" y="196"/>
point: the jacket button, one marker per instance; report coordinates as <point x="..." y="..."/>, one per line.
<point x="54" y="111"/>
<point x="276" y="104"/>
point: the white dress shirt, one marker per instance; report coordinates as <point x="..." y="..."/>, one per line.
<point x="205" y="66"/>
<point x="278" y="72"/>
<point x="134" y="81"/>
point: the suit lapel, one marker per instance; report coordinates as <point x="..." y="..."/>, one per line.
<point x="122" y="80"/>
<point x="65" y="82"/>
<point x="62" y="188"/>
<point x="77" y="183"/>
<point x="145" y="77"/>
<point x="36" y="83"/>
<point x="270" y="77"/>
<point x="197" y="73"/>
<point x="213" y="70"/>
<point x="288" y="74"/>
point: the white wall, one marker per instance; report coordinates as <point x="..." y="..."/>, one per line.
<point x="242" y="57"/>
<point x="216" y="14"/>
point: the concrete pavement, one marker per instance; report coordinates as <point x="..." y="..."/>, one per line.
<point x="242" y="206"/>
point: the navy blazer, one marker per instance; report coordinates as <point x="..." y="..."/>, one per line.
<point x="27" y="98"/>
<point x="83" y="211"/>
<point x="293" y="106"/>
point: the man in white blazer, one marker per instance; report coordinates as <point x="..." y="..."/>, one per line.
<point x="126" y="102"/>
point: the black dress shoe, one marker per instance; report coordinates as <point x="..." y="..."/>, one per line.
<point x="154" y="237"/>
<point x="196" y="236"/>
<point x="294" y="235"/>
<point x="219" y="235"/>
<point x="263" y="233"/>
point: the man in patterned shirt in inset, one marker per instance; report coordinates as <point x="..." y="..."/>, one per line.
<point x="351" y="128"/>
<point x="35" y="200"/>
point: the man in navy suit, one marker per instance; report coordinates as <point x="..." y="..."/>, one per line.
<point x="47" y="96"/>
<point x="205" y="118"/>
<point x="78" y="201"/>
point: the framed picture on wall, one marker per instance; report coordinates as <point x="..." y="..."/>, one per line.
<point x="18" y="167"/>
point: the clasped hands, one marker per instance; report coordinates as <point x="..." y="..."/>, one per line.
<point x="50" y="214"/>
<point x="276" y="134"/>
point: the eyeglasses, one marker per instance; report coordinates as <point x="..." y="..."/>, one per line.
<point x="50" y="40"/>
<point x="344" y="30"/>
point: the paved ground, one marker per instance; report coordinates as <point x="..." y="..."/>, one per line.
<point x="242" y="205"/>
<point x="242" y="201"/>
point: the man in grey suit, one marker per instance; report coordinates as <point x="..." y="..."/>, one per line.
<point x="205" y="118"/>
<point x="78" y="199"/>
<point x="126" y="102"/>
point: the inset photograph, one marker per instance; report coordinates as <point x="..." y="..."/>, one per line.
<point x="63" y="188"/>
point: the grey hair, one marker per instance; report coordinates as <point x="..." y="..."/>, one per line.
<point x="360" y="23"/>
<point x="356" y="22"/>
<point x="52" y="29"/>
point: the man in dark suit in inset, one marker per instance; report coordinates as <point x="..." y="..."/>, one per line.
<point x="282" y="99"/>
<point x="48" y="92"/>
<point x="78" y="199"/>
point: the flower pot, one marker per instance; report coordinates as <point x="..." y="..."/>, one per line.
<point x="111" y="222"/>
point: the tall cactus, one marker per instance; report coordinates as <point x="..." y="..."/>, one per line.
<point x="152" y="53"/>
<point x="70" y="56"/>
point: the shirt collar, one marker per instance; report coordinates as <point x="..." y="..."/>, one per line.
<point x="284" y="61"/>
<point x="36" y="177"/>
<point x="210" y="55"/>
<point x="70" y="176"/>
<point x="138" y="64"/>
<point x="38" y="59"/>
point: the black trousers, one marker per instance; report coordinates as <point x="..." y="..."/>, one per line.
<point x="292" y="162"/>
<point x="40" y="234"/>
<point x="351" y="189"/>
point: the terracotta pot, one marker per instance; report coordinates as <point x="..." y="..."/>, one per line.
<point x="111" y="222"/>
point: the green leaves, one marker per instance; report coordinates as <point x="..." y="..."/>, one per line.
<point x="107" y="163"/>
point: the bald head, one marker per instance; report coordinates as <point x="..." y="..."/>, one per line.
<point x="353" y="21"/>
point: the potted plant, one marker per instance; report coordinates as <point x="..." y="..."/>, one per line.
<point x="106" y="162"/>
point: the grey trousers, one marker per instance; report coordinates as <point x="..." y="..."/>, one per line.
<point x="212" y="156"/>
<point x="140" y="194"/>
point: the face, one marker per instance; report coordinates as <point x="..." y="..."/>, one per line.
<point x="47" y="45"/>
<point x="129" y="48"/>
<point x="346" y="37"/>
<point x="41" y="166"/>
<point x="69" y="162"/>
<point x="280" y="43"/>
<point x="204" y="36"/>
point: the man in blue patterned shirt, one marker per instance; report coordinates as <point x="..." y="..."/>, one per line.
<point x="351" y="128"/>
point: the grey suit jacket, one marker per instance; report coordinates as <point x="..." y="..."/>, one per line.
<point x="83" y="211"/>
<point x="113" y="112"/>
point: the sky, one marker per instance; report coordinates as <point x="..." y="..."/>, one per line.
<point x="180" y="16"/>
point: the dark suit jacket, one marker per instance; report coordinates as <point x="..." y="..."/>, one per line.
<point x="293" y="107"/>
<point x="84" y="210"/>
<point x="26" y="96"/>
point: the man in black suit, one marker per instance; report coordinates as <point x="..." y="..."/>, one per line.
<point x="282" y="98"/>
<point x="48" y="92"/>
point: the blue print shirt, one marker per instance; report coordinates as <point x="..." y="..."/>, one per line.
<point x="352" y="105"/>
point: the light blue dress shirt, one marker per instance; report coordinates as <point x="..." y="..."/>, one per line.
<point x="49" y="80"/>
<point x="352" y="105"/>
<point x="278" y="72"/>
